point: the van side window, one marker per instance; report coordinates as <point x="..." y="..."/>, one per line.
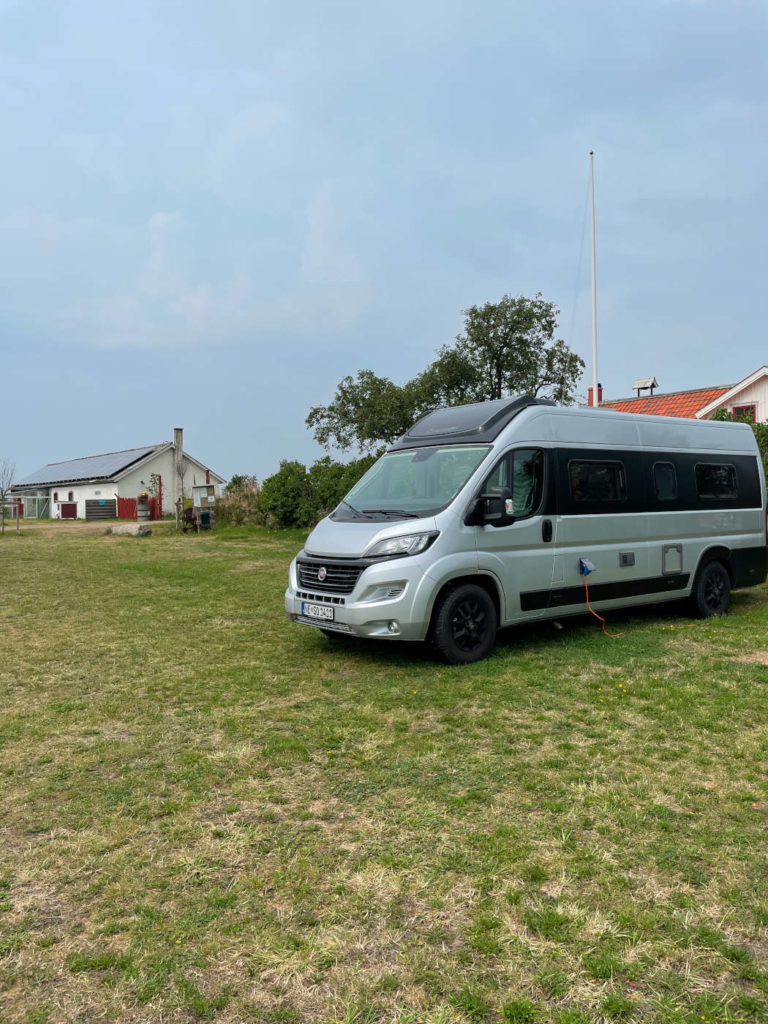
<point x="664" y="481"/>
<point x="527" y="480"/>
<point x="499" y="476"/>
<point x="597" y="481"/>
<point x="716" y="482"/>
<point x="522" y="471"/>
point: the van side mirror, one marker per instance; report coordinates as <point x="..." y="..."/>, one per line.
<point x="493" y="509"/>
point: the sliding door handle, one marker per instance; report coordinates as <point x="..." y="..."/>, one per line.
<point x="546" y="530"/>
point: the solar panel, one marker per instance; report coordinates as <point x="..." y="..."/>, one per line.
<point x="93" y="467"/>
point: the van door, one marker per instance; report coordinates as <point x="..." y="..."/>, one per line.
<point x="521" y="554"/>
<point x="601" y="501"/>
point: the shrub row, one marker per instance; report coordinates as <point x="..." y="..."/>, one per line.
<point x="295" y="496"/>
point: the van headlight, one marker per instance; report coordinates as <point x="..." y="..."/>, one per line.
<point x="396" y="547"/>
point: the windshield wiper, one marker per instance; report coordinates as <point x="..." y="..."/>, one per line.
<point x="392" y="512"/>
<point x="355" y="510"/>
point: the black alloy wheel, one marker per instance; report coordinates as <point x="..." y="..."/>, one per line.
<point x="465" y="624"/>
<point x="712" y="592"/>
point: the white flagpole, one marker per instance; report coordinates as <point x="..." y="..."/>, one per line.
<point x="594" y="281"/>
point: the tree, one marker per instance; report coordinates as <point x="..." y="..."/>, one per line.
<point x="760" y="431"/>
<point x="366" y="411"/>
<point x="508" y="347"/>
<point x="153" y="485"/>
<point x="329" y="481"/>
<point x="7" y="474"/>
<point x="241" y="483"/>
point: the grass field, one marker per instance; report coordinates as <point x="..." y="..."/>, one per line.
<point x="208" y="813"/>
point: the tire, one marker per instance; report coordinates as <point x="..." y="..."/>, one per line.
<point x="465" y="625"/>
<point x="712" y="591"/>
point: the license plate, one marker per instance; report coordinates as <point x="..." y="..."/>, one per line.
<point x="317" y="611"/>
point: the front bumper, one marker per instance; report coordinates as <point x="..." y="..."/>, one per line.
<point x="390" y="600"/>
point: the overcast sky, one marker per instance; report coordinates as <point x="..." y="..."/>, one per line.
<point x="210" y="213"/>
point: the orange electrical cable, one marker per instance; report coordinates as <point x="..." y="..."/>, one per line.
<point x="614" y="636"/>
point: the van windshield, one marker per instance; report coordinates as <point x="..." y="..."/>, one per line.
<point x="412" y="483"/>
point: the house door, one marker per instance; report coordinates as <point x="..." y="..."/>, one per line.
<point x="69" y="510"/>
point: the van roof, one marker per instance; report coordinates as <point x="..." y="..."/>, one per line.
<point x="460" y="424"/>
<point x="483" y="422"/>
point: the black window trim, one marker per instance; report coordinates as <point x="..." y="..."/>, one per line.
<point x="640" y="495"/>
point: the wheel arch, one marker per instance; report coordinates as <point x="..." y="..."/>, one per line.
<point x="488" y="582"/>
<point x="716" y="553"/>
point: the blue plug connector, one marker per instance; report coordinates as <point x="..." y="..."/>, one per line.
<point x="585" y="566"/>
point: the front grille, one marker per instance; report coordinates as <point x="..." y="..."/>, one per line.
<point x="340" y="577"/>
<point x="324" y="598"/>
<point x="333" y="627"/>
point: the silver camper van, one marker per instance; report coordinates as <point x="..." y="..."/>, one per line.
<point x="492" y="515"/>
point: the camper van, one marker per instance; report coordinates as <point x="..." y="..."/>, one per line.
<point x="506" y="512"/>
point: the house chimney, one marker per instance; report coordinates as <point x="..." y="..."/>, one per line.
<point x="645" y="384"/>
<point x="178" y="459"/>
<point x="591" y="397"/>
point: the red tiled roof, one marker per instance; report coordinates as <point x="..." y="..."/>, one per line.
<point x="676" y="403"/>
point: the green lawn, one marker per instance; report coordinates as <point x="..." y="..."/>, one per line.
<point x="208" y="813"/>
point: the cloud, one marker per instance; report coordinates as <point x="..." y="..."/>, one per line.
<point x="325" y="259"/>
<point x="167" y="307"/>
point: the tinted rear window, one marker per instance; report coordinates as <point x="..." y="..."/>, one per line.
<point x="716" y="482"/>
<point x="665" y="481"/>
<point x="597" y="481"/>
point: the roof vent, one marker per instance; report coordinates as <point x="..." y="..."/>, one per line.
<point x="645" y="384"/>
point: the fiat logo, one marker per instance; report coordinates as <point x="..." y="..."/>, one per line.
<point x="322" y="572"/>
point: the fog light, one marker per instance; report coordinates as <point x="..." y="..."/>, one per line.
<point x="392" y="627"/>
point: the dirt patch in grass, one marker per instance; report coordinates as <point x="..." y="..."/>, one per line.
<point x="754" y="658"/>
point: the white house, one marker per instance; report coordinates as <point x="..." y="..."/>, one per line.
<point x="92" y="487"/>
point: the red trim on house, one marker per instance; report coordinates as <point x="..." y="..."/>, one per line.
<point x="745" y="410"/>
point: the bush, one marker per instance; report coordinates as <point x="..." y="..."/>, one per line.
<point x="297" y="496"/>
<point x="329" y="481"/>
<point x="284" y="496"/>
<point x="240" y="503"/>
<point x="760" y="431"/>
